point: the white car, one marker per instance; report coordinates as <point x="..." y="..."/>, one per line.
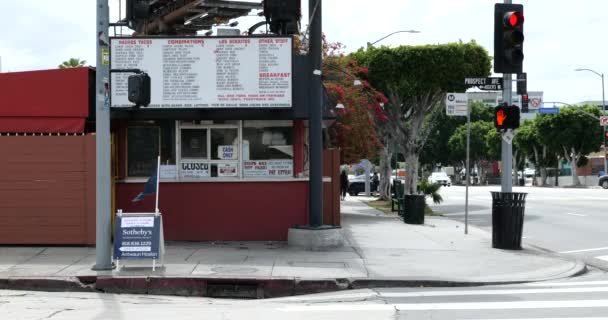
<point x="441" y="178"/>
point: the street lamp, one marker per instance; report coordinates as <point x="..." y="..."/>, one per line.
<point x="401" y="31"/>
<point x="601" y="75"/>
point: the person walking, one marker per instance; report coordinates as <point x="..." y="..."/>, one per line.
<point x="343" y="184"/>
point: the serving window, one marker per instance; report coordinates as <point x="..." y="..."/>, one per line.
<point x="211" y="150"/>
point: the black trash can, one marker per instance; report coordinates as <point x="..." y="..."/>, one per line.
<point x="507" y="219"/>
<point x="413" y="208"/>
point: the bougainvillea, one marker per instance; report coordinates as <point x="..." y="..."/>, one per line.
<point x="346" y="83"/>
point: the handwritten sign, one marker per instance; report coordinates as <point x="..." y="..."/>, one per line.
<point x="227" y="170"/>
<point x="263" y="168"/>
<point x="227" y="152"/>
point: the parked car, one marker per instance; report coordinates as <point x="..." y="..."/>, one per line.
<point x="603" y="182"/>
<point x="356" y="185"/>
<point x="441" y="178"/>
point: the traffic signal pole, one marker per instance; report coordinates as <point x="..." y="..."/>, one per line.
<point x="506" y="178"/>
<point x="103" y="260"/>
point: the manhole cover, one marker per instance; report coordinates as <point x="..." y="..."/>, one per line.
<point x="234" y="270"/>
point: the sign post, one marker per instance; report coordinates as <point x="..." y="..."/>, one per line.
<point x="455" y="104"/>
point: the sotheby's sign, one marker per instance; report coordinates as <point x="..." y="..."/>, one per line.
<point x="137" y="237"/>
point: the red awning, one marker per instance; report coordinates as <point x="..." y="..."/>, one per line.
<point x="45" y="101"/>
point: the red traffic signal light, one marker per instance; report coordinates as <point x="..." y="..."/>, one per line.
<point x="508" y="38"/>
<point x="506" y="117"/>
<point x="513" y="18"/>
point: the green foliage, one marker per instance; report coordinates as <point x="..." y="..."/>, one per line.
<point x="437" y="147"/>
<point x="574" y="128"/>
<point x="72" y="63"/>
<point x="430" y="190"/>
<point x="411" y="72"/>
<point x="482" y="143"/>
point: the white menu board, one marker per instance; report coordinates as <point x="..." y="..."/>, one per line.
<point x="195" y="72"/>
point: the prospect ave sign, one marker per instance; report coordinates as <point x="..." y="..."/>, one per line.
<point x="489" y="83"/>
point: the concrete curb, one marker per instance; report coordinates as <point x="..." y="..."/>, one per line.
<point x="242" y="288"/>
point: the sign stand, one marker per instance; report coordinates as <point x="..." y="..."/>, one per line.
<point x="140" y="235"/>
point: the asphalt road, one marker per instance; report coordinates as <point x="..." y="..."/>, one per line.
<point x="564" y="220"/>
<point x="572" y="299"/>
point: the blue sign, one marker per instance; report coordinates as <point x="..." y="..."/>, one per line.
<point x="137" y="237"/>
<point x="548" y="110"/>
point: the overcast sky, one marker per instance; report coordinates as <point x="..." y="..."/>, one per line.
<point x="560" y="35"/>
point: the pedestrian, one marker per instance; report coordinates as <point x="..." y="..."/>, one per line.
<point x="343" y="184"/>
<point x="375" y="182"/>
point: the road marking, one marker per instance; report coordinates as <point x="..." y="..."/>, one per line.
<point x="585" y="250"/>
<point x="564" y="284"/>
<point x="576" y="214"/>
<point x="550" y="304"/>
<point x="488" y="292"/>
<point x="605" y="258"/>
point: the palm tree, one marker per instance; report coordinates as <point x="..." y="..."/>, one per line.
<point x="430" y="190"/>
<point x="72" y="63"/>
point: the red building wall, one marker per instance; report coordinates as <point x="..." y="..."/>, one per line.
<point x="205" y="211"/>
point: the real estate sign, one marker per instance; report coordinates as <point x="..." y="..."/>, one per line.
<point x="197" y="72"/>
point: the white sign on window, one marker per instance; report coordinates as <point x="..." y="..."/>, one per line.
<point x="273" y="168"/>
<point x="196" y="72"/>
<point x="227" y="152"/>
<point x="168" y="171"/>
<point x="227" y="170"/>
<point x="256" y="168"/>
<point x="193" y="170"/>
<point x="280" y="167"/>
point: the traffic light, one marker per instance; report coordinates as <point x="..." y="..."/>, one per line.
<point x="508" y="38"/>
<point x="524" y="103"/>
<point x="139" y="89"/>
<point x="283" y="16"/>
<point x="506" y="117"/>
<point x="522" y="83"/>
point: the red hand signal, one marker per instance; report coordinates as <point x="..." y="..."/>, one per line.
<point x="500" y="117"/>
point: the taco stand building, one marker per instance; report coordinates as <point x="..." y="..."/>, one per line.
<point x="228" y="117"/>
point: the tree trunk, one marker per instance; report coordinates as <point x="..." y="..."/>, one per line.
<point x="543" y="176"/>
<point x="411" y="173"/>
<point x="573" y="159"/>
<point x="384" y="189"/>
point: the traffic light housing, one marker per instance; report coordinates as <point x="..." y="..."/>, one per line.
<point x="524" y="103"/>
<point x="508" y="38"/>
<point x="283" y="16"/>
<point x="139" y="89"/>
<point x="506" y="117"/>
<point x="605" y="139"/>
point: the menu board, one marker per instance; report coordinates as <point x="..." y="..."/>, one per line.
<point x="194" y="72"/>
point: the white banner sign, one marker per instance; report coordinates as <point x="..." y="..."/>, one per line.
<point x="262" y="168"/>
<point x="195" y="72"/>
<point x="227" y="152"/>
<point x="193" y="170"/>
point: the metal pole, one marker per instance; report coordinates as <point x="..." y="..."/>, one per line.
<point x="506" y="179"/>
<point x="315" y="121"/>
<point x="367" y="180"/>
<point x="468" y="174"/>
<point x="603" y="112"/>
<point x="102" y="143"/>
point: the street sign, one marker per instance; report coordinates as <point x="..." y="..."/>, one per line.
<point x="548" y="110"/>
<point x="508" y="136"/>
<point x="456" y="104"/>
<point x="604" y="121"/>
<point x="489" y="83"/>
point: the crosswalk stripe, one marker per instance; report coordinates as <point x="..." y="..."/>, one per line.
<point x="566" y="284"/>
<point x="585" y="250"/>
<point x="605" y="258"/>
<point x="555" y="304"/>
<point x="488" y="292"/>
<point x="591" y="318"/>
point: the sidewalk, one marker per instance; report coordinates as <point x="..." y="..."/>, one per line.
<point x="381" y="251"/>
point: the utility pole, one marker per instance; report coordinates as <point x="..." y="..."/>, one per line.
<point x="103" y="259"/>
<point x="315" y="122"/>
